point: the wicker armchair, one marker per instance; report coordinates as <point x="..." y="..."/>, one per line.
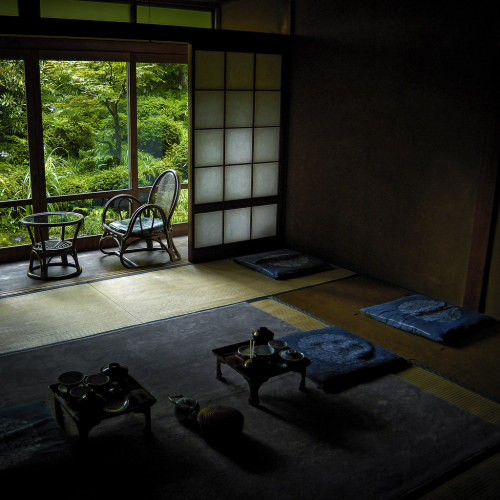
<point x="126" y="221"/>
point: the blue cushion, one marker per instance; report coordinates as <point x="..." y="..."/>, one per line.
<point x="30" y="435"/>
<point x="341" y="358"/>
<point x="434" y="319"/>
<point x="143" y="224"/>
<point x="283" y="264"/>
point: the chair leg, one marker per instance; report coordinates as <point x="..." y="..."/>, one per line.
<point x="173" y="252"/>
<point x="107" y="236"/>
<point x="171" y="248"/>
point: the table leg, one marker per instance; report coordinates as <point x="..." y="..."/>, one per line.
<point x="147" y="417"/>
<point x="218" y="372"/>
<point x="254" y="392"/>
<point x="59" y="412"/>
<point x="302" y="385"/>
<point x="83" y="431"/>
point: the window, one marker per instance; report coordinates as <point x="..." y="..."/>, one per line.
<point x="102" y="125"/>
<point x="87" y="10"/>
<point x="85" y="125"/>
<point x="124" y="12"/>
<point x="15" y="177"/>
<point x="8" y="8"/>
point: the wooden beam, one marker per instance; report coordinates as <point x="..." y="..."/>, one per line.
<point x="482" y="234"/>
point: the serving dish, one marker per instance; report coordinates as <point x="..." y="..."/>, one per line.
<point x="291" y="355"/>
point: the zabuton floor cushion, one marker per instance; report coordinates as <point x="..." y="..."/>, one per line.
<point x="434" y="319"/>
<point x="341" y="358"/>
<point x="30" y="436"/>
<point x="283" y="264"/>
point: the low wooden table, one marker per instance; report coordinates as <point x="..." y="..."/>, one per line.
<point x="260" y="371"/>
<point x="139" y="401"/>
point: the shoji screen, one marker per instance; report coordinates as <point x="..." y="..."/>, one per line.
<point x="236" y="151"/>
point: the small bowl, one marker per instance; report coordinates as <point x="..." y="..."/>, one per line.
<point x="277" y="345"/>
<point x="70" y="379"/>
<point x="97" y="380"/>
<point x="80" y="390"/>
<point x="115" y="370"/>
<point x="291" y="355"/>
<point x="263" y="350"/>
<point x="244" y="351"/>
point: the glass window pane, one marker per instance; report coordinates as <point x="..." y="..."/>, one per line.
<point x="15" y="182"/>
<point x="85" y="132"/>
<point x="238" y="182"/>
<point x="12" y="231"/>
<point x="174" y="17"/>
<point x="208" y="229"/>
<point x="89" y="11"/>
<point x="239" y="109"/>
<point x="264" y="221"/>
<point x="209" y="70"/>
<point x="237" y="225"/>
<point x="209" y="109"/>
<point x="162" y="120"/>
<point x="8" y="8"/>
<point x="265" y="179"/>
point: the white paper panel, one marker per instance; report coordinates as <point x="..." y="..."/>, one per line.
<point x="237" y="225"/>
<point x="267" y="109"/>
<point x="264" y="221"/>
<point x="267" y="144"/>
<point x="209" y="185"/>
<point x="209" y="109"/>
<point x="209" y="70"/>
<point x="238" y="145"/>
<point x="208" y="229"/>
<point x="268" y="72"/>
<point x="238" y="182"/>
<point x="265" y="179"/>
<point x="239" y="71"/>
<point x="239" y="109"/>
<point x="209" y="147"/>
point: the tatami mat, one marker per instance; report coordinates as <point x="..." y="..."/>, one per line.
<point x="480" y="481"/>
<point x="185" y="289"/>
<point x="37" y="319"/>
<point x="34" y="319"/>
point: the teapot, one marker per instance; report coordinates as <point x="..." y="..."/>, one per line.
<point x="186" y="408"/>
<point x="114" y="370"/>
<point x="262" y="336"/>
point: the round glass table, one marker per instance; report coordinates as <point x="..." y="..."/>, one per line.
<point x="45" y="248"/>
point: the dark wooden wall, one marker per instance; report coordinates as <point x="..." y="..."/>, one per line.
<point x="393" y="145"/>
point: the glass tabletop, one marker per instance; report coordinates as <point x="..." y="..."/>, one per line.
<point x="52" y="219"/>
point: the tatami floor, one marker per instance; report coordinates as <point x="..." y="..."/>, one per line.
<point x="106" y="297"/>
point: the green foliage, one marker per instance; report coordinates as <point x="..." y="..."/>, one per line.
<point x="85" y="133"/>
<point x="13" y="119"/>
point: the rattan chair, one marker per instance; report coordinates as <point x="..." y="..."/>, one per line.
<point x="126" y="221"/>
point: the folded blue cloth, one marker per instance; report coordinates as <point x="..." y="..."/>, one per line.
<point x="434" y="319"/>
<point x="341" y="358"/>
<point x="283" y="264"/>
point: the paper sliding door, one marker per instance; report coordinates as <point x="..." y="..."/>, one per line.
<point x="235" y="200"/>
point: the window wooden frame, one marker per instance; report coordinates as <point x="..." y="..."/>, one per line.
<point x="35" y="50"/>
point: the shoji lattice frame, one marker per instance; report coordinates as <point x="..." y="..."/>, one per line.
<point x="237" y="152"/>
